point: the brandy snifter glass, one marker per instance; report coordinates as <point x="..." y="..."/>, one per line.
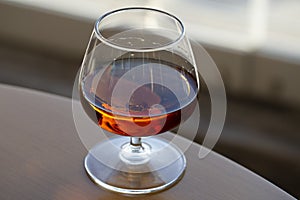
<point x="138" y="79"/>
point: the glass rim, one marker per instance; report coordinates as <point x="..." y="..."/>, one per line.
<point x="109" y="43"/>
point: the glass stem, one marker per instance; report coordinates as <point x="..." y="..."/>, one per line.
<point x="134" y="153"/>
<point x="136" y="145"/>
<point x="136" y="141"/>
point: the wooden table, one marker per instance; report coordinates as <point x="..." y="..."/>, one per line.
<point x="42" y="158"/>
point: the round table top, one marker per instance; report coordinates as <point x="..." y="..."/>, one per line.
<point x="42" y="158"/>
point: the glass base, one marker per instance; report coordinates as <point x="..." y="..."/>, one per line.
<point x="163" y="166"/>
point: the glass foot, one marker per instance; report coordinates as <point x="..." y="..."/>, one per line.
<point x="160" y="167"/>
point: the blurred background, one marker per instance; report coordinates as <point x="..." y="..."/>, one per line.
<point x="255" y="44"/>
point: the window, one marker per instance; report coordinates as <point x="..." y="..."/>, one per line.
<point x="243" y="25"/>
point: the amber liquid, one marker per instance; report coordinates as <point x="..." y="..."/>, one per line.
<point x="140" y="97"/>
